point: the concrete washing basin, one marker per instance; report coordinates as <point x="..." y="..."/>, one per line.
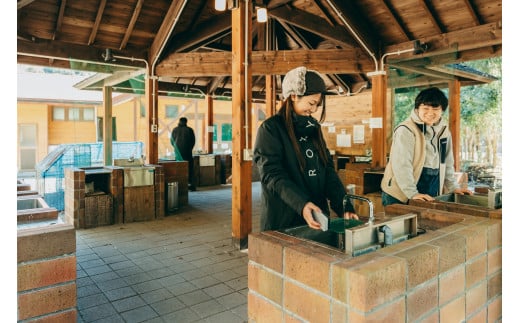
<point x="34" y="208"/>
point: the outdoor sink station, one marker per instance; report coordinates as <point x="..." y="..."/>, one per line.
<point x="437" y="265"/>
<point x="357" y="237"/>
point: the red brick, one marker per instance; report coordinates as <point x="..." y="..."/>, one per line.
<point x="308" y="267"/>
<point x="45" y="242"/>
<point x="422" y="300"/>
<point x="476" y="298"/>
<point x="47" y="300"/>
<point x="495" y="310"/>
<point x="494" y="261"/>
<point x="422" y="262"/>
<point x="267" y="250"/>
<point x="494" y="285"/>
<point x="376" y="282"/>
<point x="265" y="283"/>
<point x="452" y="251"/>
<point x="476" y="271"/>
<point x="309" y="305"/>
<point x="262" y="311"/>
<point x="453" y="311"/>
<point x="451" y="284"/>
<point x="394" y="312"/>
<point x="67" y="316"/>
<point x="46" y="272"/>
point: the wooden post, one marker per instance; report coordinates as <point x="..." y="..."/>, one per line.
<point x="209" y="125"/>
<point x="454" y="123"/>
<point x="107" y="125"/>
<point x="151" y="92"/>
<point x="241" y="212"/>
<point x="379" y="87"/>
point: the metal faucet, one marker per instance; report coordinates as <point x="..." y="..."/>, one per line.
<point x="370" y="205"/>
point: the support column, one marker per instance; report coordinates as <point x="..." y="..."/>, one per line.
<point x="107" y="125"/>
<point x="151" y="92"/>
<point x="209" y="125"/>
<point x="379" y="87"/>
<point x="241" y="212"/>
<point x="454" y="123"/>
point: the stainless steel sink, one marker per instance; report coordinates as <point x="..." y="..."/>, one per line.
<point x="363" y="238"/>
<point x="491" y="200"/>
<point x="135" y="172"/>
<point x="139" y="176"/>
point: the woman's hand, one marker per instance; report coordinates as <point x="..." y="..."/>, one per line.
<point x="307" y="215"/>
<point x="423" y="197"/>
<point x="350" y="215"/>
<point x="462" y="191"/>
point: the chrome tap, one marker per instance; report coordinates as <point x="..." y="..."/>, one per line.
<point x="361" y="198"/>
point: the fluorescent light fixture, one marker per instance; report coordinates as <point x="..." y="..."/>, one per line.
<point x="220" y="5"/>
<point x="261" y="14"/>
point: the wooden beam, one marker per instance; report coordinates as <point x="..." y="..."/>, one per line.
<point x="335" y="61"/>
<point x="313" y="24"/>
<point x="80" y="55"/>
<point x="460" y="40"/>
<point x="359" y="28"/>
<point x="207" y="32"/>
<point x="163" y="35"/>
<point x="241" y="209"/>
<point x="131" y="25"/>
<point x="59" y="20"/>
<point x="97" y="22"/>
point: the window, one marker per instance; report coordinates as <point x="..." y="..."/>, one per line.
<point x="58" y="113"/>
<point x="171" y="111"/>
<point x="88" y="114"/>
<point x="73" y="114"/>
<point x="227" y="134"/>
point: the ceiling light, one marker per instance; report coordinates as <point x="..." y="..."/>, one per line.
<point x="261" y="14"/>
<point x="220" y="5"/>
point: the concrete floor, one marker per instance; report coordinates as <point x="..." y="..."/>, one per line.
<point x="180" y="269"/>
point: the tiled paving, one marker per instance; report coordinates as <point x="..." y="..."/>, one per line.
<point x="180" y="269"/>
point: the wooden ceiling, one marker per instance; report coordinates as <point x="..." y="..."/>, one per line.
<point x="187" y="43"/>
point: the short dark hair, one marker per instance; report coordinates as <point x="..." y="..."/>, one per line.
<point x="183" y="119"/>
<point x="432" y="96"/>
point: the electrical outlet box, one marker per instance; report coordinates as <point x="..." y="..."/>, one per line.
<point x="154" y="128"/>
<point x="248" y="154"/>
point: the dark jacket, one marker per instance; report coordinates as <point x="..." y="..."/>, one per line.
<point x="184" y="139"/>
<point x="284" y="188"/>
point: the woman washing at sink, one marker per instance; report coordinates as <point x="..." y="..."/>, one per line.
<point x="421" y="164"/>
<point x="296" y="169"/>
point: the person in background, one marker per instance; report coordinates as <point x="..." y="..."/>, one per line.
<point x="183" y="141"/>
<point x="296" y="170"/>
<point x="421" y="164"/>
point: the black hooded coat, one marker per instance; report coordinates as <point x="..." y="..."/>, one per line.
<point x="285" y="191"/>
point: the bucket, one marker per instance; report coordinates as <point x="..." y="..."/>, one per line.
<point x="173" y="196"/>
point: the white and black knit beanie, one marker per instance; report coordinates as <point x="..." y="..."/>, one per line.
<point x="301" y="81"/>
